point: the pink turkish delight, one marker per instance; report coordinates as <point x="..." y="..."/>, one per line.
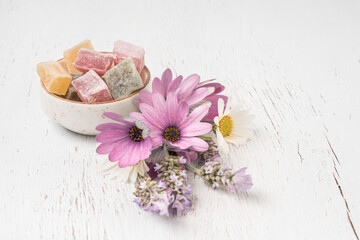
<point x="88" y="59"/>
<point x="123" y="50"/>
<point x="91" y="88"/>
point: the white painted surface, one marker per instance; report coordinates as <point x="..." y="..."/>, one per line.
<point x="296" y="64"/>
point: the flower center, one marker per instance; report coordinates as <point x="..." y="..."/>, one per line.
<point x="172" y="134"/>
<point x="136" y="134"/>
<point x="225" y="126"/>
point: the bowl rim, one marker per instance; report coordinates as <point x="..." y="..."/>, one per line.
<point x="146" y="82"/>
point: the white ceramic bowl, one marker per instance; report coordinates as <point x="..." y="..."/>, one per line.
<point x="83" y="117"/>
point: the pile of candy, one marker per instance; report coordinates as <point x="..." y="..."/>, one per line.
<point x="90" y="76"/>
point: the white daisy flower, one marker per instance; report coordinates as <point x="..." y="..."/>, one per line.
<point x="232" y="126"/>
<point x="111" y="170"/>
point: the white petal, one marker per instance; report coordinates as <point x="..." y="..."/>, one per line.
<point x="243" y="132"/>
<point x="145" y="133"/>
<point x="222" y="145"/>
<point x="140" y="124"/>
<point x="228" y="107"/>
<point x="220" y="107"/>
<point x="111" y="170"/>
<point x="216" y="120"/>
<point x="128" y="119"/>
<point x="211" y="90"/>
<point x="142" y="168"/>
<point x="133" y="174"/>
<point x="236" y="140"/>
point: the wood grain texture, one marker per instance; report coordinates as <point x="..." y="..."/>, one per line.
<point x="296" y="64"/>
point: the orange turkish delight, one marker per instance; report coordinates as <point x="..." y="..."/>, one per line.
<point x="63" y="64"/>
<point x="55" y="78"/>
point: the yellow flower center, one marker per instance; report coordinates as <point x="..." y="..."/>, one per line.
<point x="225" y="126"/>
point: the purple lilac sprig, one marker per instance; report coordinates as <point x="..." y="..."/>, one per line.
<point x="151" y="196"/>
<point x="218" y="175"/>
<point x="174" y="179"/>
<point x="212" y="153"/>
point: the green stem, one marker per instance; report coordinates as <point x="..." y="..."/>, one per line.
<point x="193" y="169"/>
<point x="139" y="177"/>
<point x="166" y="152"/>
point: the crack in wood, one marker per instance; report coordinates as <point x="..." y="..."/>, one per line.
<point x="268" y="115"/>
<point x="347" y="207"/>
<point x="298" y="151"/>
<point x="334" y="164"/>
<point x="352" y="226"/>
<point x="339" y="187"/>
<point x="29" y="91"/>
<point x="332" y="150"/>
<point x="341" y="192"/>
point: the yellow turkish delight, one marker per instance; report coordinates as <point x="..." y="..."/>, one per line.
<point x="55" y="78"/>
<point x="63" y="64"/>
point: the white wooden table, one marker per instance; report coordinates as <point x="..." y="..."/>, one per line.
<point x="296" y="64"/>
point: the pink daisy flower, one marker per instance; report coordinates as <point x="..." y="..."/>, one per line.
<point x="126" y="142"/>
<point x="190" y="90"/>
<point x="170" y="121"/>
<point x="185" y="89"/>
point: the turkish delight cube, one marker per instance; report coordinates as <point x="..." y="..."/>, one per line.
<point x="55" y="78"/>
<point x="92" y="60"/>
<point x="91" y="88"/>
<point x="64" y="65"/>
<point x="71" y="54"/>
<point x="123" y="79"/>
<point x="123" y="50"/>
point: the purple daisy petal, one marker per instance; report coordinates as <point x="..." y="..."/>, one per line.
<point x="183" y="112"/>
<point x="213" y="110"/>
<point x="187" y="86"/>
<point x="145" y="97"/>
<point x="129" y="156"/>
<point x="206" y="82"/>
<point x="123" y="143"/>
<point x="120" y="151"/>
<point x="198" y="95"/>
<point x="145" y="149"/>
<point x="182" y="143"/>
<point x="152" y="116"/>
<point x="157" y="87"/>
<point x="198" y="144"/>
<point x="196" y="129"/>
<point x="137" y="101"/>
<point x="174" y="85"/>
<point x="172" y="108"/>
<point x="112" y="135"/>
<point x="138" y="116"/>
<point x="195" y="116"/>
<point x="108" y="126"/>
<point x="159" y="104"/>
<point x="218" y="87"/>
<point x="157" y="138"/>
<point x="118" y="118"/>
<point x="193" y="143"/>
<point x="166" y="79"/>
<point x="106" y="148"/>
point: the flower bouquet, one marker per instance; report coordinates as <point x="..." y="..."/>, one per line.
<point x="181" y="122"/>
